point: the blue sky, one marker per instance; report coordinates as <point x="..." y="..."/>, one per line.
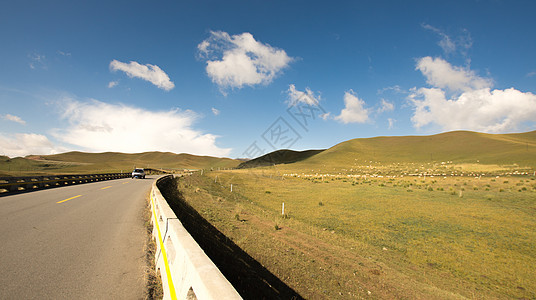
<point x="243" y="78"/>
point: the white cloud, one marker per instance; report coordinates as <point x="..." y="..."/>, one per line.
<point x="446" y="42"/>
<point x="238" y="60"/>
<point x="295" y="96"/>
<point x="477" y="108"/>
<point x="37" y="60"/>
<point x="215" y="111"/>
<point x="354" y="111"/>
<point x="462" y="43"/>
<point x="386" y="106"/>
<point x="482" y="110"/>
<point x="96" y="126"/>
<point x="22" y="144"/>
<point x="111" y="84"/>
<point x="530" y="74"/>
<point x="391" y="123"/>
<point x="395" y="89"/>
<point x="439" y="73"/>
<point x="63" y="53"/>
<point x="151" y="73"/>
<point x="13" y="118"/>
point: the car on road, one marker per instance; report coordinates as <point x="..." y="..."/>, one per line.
<point x="138" y="173"/>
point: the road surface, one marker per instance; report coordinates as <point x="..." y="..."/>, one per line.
<point x="77" y="242"/>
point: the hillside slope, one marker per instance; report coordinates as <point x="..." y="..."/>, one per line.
<point x="457" y="146"/>
<point x="279" y="157"/>
<point x="80" y="162"/>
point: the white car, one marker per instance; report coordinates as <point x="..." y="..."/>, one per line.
<point x="138" y="173"/>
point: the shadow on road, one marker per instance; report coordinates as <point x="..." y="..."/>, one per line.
<point x="248" y="276"/>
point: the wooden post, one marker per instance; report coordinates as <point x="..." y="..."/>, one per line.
<point x="231" y="187"/>
<point x="283" y="209"/>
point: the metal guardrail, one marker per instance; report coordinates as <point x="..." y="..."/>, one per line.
<point x="186" y="271"/>
<point x="10" y="185"/>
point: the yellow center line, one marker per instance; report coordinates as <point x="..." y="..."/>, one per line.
<point x="125" y="182"/>
<point x="68" y="199"/>
<point x="106" y="187"/>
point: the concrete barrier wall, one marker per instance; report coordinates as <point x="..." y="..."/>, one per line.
<point x="186" y="271"/>
<point x="9" y="185"/>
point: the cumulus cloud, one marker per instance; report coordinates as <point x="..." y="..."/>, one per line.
<point x="148" y="72"/>
<point x="477" y="107"/>
<point x="295" y="96"/>
<point x="13" y="118"/>
<point x="22" y="144"/>
<point x="239" y="60"/>
<point x="111" y="84"/>
<point x="391" y="123"/>
<point x="96" y="126"/>
<point x="354" y="110"/>
<point x="215" y="111"/>
<point x="439" y="73"/>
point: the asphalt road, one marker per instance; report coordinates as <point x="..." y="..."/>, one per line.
<point x="87" y="247"/>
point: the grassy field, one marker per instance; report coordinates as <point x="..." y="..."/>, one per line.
<point x="459" y="147"/>
<point x="406" y="237"/>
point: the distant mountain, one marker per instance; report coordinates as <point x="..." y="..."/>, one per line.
<point x="279" y="157"/>
<point x="81" y="162"/>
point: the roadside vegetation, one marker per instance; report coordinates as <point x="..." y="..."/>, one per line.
<point x="344" y="235"/>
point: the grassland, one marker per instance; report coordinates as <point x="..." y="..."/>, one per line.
<point x="460" y="147"/>
<point x="438" y="217"/>
<point x="406" y="237"/>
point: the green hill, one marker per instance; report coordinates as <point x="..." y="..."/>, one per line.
<point x="279" y="157"/>
<point x="80" y="162"/>
<point x="459" y="147"/>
